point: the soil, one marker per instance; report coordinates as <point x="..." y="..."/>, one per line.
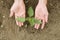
<point x="10" y="31"/>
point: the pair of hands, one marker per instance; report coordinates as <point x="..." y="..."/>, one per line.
<point x="41" y="13"/>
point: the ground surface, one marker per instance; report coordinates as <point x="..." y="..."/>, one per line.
<point x="10" y="31"/>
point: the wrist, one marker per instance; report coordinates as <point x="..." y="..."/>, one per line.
<point x="18" y="0"/>
<point x="43" y="2"/>
<point x="40" y="1"/>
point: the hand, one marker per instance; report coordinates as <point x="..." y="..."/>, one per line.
<point x="41" y="13"/>
<point x="18" y="9"/>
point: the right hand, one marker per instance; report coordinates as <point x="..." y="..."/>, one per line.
<point x="18" y="10"/>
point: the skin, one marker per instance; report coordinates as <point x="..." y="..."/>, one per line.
<point x="18" y="9"/>
<point x="41" y="13"/>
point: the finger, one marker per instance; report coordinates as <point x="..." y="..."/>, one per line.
<point x="16" y="22"/>
<point x="46" y="18"/>
<point x="11" y="13"/>
<point x="43" y="24"/>
<point x="20" y="24"/>
<point x="37" y="26"/>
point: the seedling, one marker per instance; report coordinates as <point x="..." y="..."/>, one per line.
<point x="32" y="21"/>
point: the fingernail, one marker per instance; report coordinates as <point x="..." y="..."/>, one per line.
<point x="42" y="27"/>
<point x="9" y="15"/>
<point x="17" y="23"/>
<point x="22" y="23"/>
<point x="36" y="27"/>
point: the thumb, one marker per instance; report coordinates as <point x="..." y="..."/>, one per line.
<point x="11" y="13"/>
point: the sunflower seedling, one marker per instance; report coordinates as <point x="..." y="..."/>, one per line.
<point x="32" y="21"/>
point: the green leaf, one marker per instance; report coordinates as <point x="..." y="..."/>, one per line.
<point x="30" y="12"/>
<point x="27" y="18"/>
<point x="20" y="19"/>
<point x="38" y="21"/>
<point x="31" y="21"/>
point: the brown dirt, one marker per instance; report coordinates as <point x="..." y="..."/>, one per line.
<point x="10" y="31"/>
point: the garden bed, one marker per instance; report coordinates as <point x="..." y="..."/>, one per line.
<point x="10" y="31"/>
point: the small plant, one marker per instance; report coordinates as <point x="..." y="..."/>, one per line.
<point x="32" y="21"/>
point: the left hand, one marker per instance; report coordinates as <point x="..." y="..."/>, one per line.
<point x="41" y="13"/>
